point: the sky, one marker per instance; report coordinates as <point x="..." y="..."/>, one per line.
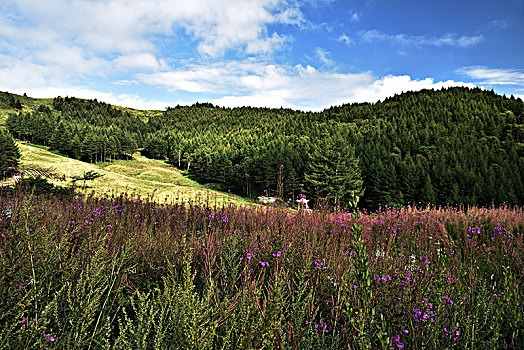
<point x="308" y="54"/>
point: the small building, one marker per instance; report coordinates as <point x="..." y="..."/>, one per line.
<point x="267" y="199"/>
<point x="303" y="203"/>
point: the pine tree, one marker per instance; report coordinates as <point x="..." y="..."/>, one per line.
<point x="427" y="192"/>
<point x="58" y="141"/>
<point x="76" y="146"/>
<point x="9" y="154"/>
<point x="334" y="169"/>
<point x="87" y="148"/>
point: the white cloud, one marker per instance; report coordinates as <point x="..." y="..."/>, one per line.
<point x="139" y="61"/>
<point x="61" y="65"/>
<point x="454" y="40"/>
<point x="345" y="39"/>
<point x="15" y="73"/>
<point x="48" y="47"/>
<point x="257" y="83"/>
<point x="494" y="76"/>
<point x="57" y="42"/>
<point x="203" y="79"/>
<point x="291" y="15"/>
<point x="391" y="85"/>
<point x="499" y="23"/>
<point x="235" y="83"/>
<point x="124" y="27"/>
<point x="323" y="56"/>
<point x="70" y="61"/>
<point x="355" y="16"/>
<point x="267" y="45"/>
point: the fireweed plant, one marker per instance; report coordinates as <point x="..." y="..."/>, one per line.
<point x="123" y="272"/>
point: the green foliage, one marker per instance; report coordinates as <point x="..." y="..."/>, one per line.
<point x="9" y="154"/>
<point x="113" y="272"/>
<point x="87" y="176"/>
<point x="40" y="185"/>
<point x="451" y="146"/>
<point x="334" y="169"/>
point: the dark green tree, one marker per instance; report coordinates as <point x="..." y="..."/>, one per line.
<point x="334" y="169"/>
<point x="9" y="154"/>
<point x="428" y="193"/>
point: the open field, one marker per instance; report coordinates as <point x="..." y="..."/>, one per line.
<point x="108" y="272"/>
<point x="146" y="177"/>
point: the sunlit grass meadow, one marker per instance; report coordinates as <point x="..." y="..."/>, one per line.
<point x="145" y="177"/>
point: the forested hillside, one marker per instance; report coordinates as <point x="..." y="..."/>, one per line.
<point x="455" y="145"/>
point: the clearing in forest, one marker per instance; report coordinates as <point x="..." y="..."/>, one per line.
<point x="143" y="176"/>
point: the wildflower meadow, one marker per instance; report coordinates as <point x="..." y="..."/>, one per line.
<point x="123" y="272"/>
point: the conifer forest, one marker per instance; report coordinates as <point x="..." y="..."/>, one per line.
<point x="452" y="146"/>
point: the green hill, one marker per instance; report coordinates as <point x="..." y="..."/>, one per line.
<point x="455" y="145"/>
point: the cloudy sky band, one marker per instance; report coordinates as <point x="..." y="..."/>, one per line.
<point x="297" y="54"/>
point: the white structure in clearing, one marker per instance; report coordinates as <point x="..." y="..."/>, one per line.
<point x="302" y="204"/>
<point x="266" y="199"/>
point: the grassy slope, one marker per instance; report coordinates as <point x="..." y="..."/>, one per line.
<point x="140" y="174"/>
<point x="29" y="104"/>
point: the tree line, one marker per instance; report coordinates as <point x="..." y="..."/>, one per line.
<point x="455" y="145"/>
<point x="83" y="129"/>
<point x="10" y="101"/>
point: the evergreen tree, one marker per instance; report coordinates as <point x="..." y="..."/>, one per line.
<point x="76" y="146"/>
<point x="87" y="148"/>
<point x="428" y="192"/>
<point x="156" y="147"/>
<point x="58" y="139"/>
<point x="127" y="145"/>
<point x="17" y="104"/>
<point x="334" y="169"/>
<point x="9" y="154"/>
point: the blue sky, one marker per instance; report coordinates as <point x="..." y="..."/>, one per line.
<point x="307" y="55"/>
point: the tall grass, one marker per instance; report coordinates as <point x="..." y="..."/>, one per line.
<point x="126" y="273"/>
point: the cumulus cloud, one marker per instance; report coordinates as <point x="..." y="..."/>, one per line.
<point x="494" y="76"/>
<point x="53" y="46"/>
<point x="390" y="85"/>
<point x="461" y="41"/>
<point x="58" y="42"/>
<point x="237" y="83"/>
<point x="128" y="26"/>
<point x="139" y="61"/>
<point x="258" y="83"/>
